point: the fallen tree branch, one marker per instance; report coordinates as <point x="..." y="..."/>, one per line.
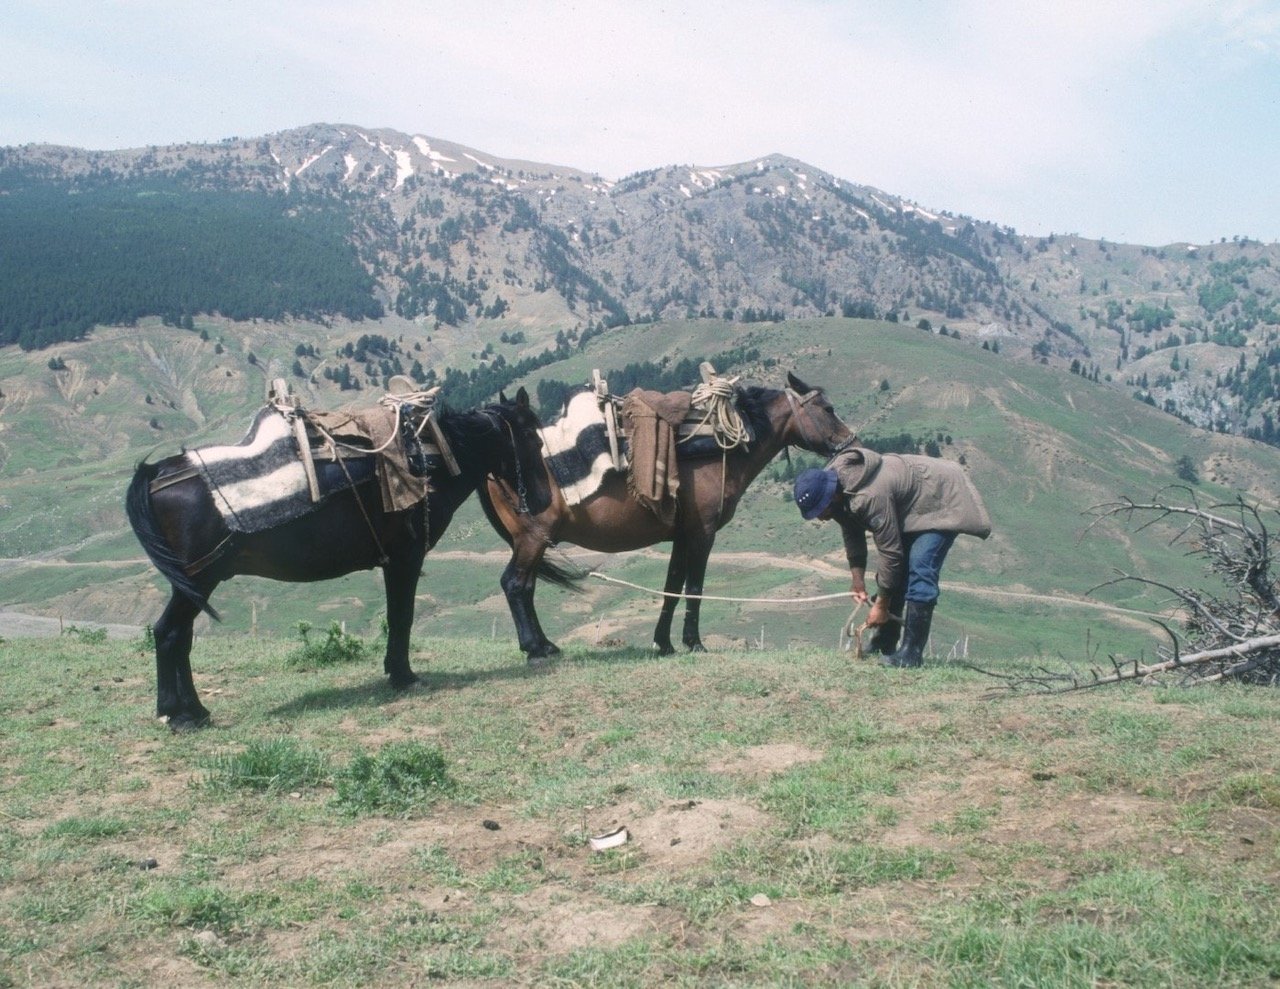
<point x="1235" y="636"/>
<point x="1251" y="654"/>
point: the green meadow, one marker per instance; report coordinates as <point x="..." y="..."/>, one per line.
<point x="793" y="818"/>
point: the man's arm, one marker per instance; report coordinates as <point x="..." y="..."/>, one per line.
<point x="891" y="572"/>
<point x="852" y="529"/>
<point x="855" y="552"/>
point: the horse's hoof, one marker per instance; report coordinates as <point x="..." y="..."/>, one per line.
<point x="405" y="682"/>
<point x="696" y="647"/>
<point x="664" y="649"/>
<point x="180" y="724"/>
<point x="539" y="662"/>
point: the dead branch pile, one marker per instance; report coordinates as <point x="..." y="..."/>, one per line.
<point x="1232" y="635"/>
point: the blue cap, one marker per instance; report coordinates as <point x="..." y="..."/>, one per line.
<point x="815" y="488"/>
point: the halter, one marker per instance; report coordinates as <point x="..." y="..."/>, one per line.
<point x="522" y="504"/>
<point x="797" y="403"/>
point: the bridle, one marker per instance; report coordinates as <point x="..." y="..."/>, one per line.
<point x="522" y="503"/>
<point x="798" y="403"/>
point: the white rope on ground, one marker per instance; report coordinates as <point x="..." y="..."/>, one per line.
<point x="715" y="597"/>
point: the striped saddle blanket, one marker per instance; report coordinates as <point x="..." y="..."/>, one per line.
<point x="262" y="482"/>
<point x="576" y="448"/>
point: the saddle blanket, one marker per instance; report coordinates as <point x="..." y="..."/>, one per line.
<point x="260" y="483"/>
<point x="576" y="448"/>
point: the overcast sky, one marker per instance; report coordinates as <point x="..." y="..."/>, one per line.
<point x="1141" y="121"/>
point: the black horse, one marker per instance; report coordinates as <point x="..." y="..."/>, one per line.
<point x="187" y="538"/>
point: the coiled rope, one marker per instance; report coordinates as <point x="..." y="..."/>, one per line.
<point x="716" y="396"/>
<point x="397" y="402"/>
<point x="418" y="400"/>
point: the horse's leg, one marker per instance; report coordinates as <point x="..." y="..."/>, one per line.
<point x="546" y="648"/>
<point x="699" y="551"/>
<point x="176" y="697"/>
<point x="400" y="580"/>
<point x="518" y="584"/>
<point x="676" y="570"/>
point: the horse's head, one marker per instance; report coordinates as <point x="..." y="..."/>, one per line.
<point x="517" y="455"/>
<point x="812" y="422"/>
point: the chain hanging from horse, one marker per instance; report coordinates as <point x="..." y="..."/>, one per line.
<point x="522" y="502"/>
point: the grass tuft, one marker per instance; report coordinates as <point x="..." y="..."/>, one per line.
<point x="336" y="647"/>
<point x="400" y="778"/>
<point x="1252" y="790"/>
<point x="277" y="765"/>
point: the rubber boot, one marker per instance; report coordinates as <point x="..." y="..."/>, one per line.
<point x="884" y="639"/>
<point x="915" y="634"/>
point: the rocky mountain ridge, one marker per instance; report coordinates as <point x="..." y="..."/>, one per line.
<point x="455" y="236"/>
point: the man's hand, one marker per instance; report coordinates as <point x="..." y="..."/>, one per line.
<point x="879" y="614"/>
<point x="859" y="585"/>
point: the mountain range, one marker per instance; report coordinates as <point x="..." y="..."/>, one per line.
<point x="472" y="246"/>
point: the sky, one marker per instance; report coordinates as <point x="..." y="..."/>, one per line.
<point x="1138" y="121"/>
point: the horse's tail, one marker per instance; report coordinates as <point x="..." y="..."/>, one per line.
<point x="141" y="513"/>
<point x="568" y="577"/>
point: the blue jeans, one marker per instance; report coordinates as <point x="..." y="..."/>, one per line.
<point x="925" y="553"/>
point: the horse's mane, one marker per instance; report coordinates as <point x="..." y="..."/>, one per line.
<point x="490" y="424"/>
<point x="462" y="426"/>
<point x="753" y="403"/>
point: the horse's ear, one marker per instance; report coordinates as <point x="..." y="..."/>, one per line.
<point x="798" y="385"/>
<point x="502" y="397"/>
<point x="522" y="398"/>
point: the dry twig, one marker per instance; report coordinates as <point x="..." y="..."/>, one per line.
<point x="1235" y="636"/>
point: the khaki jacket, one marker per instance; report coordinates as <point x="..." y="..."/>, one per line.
<point x="892" y="495"/>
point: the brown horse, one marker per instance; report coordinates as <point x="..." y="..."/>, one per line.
<point x="612" y="520"/>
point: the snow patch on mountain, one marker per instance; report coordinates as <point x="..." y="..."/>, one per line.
<point x="313" y="159"/>
<point x="404" y="167"/>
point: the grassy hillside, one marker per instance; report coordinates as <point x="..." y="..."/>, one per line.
<point x="1043" y="446"/>
<point x="793" y="819"/>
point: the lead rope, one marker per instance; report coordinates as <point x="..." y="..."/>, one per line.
<point x="845" y="629"/>
<point x="714" y="597"/>
<point x="850" y="634"/>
